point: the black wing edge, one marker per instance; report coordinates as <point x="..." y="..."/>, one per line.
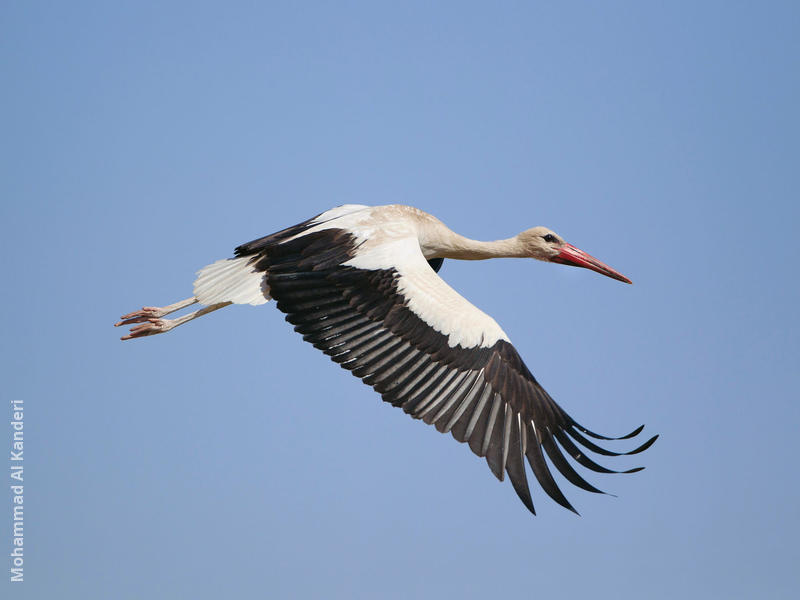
<point x="554" y="444"/>
<point x="550" y="432"/>
<point x="262" y="243"/>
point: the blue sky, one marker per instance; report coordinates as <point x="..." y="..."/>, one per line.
<point x="230" y="459"/>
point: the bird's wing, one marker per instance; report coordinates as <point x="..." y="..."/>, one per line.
<point x="383" y="313"/>
<point x="436" y="264"/>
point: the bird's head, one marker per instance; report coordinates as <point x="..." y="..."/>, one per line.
<point x="543" y="244"/>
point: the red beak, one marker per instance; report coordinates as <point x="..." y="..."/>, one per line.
<point x="570" y="255"/>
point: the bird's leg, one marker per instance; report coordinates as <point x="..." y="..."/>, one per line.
<point x="151" y="325"/>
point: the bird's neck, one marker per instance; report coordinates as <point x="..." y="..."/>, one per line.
<point x="460" y="247"/>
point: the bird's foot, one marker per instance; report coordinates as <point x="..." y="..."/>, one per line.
<point x="149" y="326"/>
<point x="152" y="323"/>
<point x="140" y="316"/>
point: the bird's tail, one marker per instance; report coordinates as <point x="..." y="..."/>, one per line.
<point x="231" y="280"/>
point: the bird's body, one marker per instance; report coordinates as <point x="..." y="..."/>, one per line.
<point x="360" y="283"/>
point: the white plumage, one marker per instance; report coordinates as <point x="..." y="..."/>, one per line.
<point x="232" y="280"/>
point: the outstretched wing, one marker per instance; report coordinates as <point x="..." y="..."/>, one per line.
<point x="383" y="313"/>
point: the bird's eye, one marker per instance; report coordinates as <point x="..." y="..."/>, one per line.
<point x="550" y="238"/>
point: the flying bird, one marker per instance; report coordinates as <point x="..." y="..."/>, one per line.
<point x="360" y="283"/>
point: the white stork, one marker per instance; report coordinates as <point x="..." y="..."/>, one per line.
<point x="360" y="283"/>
